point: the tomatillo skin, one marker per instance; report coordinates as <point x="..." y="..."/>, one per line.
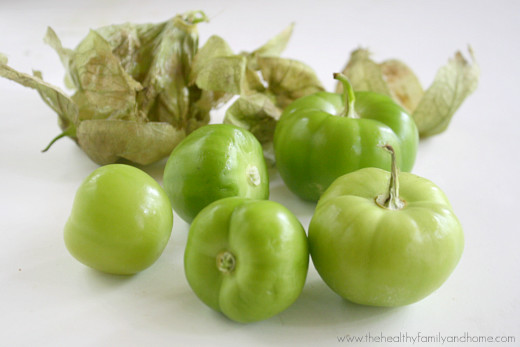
<point x="214" y="162"/>
<point x="121" y="220"/>
<point x="325" y="135"/>
<point x="246" y="258"/>
<point x="384" y="247"/>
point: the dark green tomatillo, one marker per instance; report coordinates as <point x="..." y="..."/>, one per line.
<point x="325" y="135"/>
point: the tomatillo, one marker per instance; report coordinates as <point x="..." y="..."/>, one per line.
<point x="325" y="135"/>
<point x="121" y="220"/>
<point x="214" y="162"/>
<point x="246" y="258"/>
<point x="384" y="244"/>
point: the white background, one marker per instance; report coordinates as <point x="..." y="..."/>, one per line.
<point x="47" y="298"/>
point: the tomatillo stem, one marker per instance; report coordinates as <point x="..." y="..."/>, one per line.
<point x="198" y="17"/>
<point x="349" y="96"/>
<point x="70" y="131"/>
<point x="390" y="200"/>
<point x="226" y="262"/>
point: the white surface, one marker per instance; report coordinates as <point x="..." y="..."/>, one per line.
<point x="49" y="299"/>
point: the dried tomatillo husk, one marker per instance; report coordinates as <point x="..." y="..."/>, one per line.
<point x="258" y="114"/>
<point x="54" y="97"/>
<point x="137" y="85"/>
<point x="265" y="82"/>
<point x="132" y="96"/>
<point x="103" y="88"/>
<point x="259" y="109"/>
<point x="107" y="140"/>
<point x="288" y="79"/>
<point x="432" y="109"/>
<point x="453" y="83"/>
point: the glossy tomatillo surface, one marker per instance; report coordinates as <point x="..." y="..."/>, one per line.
<point x="325" y="135"/>
<point x="215" y="162"/>
<point x="384" y="240"/>
<point x="246" y="258"/>
<point x="121" y="220"/>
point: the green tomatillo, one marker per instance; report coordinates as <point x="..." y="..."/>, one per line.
<point x="215" y="162"/>
<point x="325" y="135"/>
<point x="120" y="222"/>
<point x="384" y="238"/>
<point x="246" y="258"/>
